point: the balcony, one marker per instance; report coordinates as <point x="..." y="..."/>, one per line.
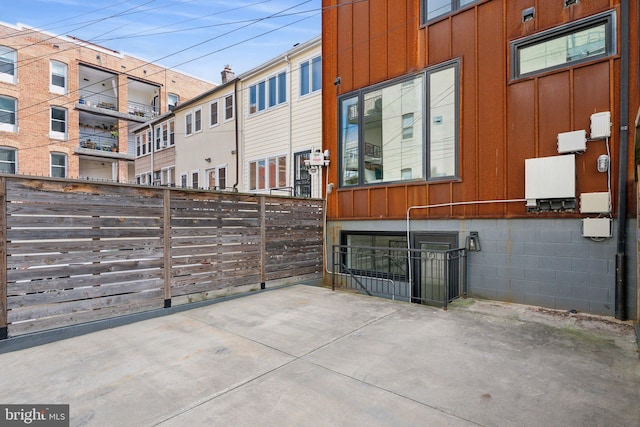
<point x="142" y="110"/>
<point x="98" y="100"/>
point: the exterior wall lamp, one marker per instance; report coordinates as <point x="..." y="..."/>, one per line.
<point x="473" y="242"/>
<point x="208" y="160"/>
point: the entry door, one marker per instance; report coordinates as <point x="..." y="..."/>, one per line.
<point x="432" y="270"/>
<point x="302" y="179"/>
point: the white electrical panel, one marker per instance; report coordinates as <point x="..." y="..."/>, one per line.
<point x="550" y="178"/>
<point x="596" y="227"/>
<point x="600" y="125"/>
<point x="594" y="202"/>
<point x="572" y="142"/>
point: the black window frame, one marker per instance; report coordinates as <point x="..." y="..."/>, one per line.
<point x="387" y="275"/>
<point x="607" y="18"/>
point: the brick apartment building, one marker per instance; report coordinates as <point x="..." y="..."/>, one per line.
<point x="66" y="105"/>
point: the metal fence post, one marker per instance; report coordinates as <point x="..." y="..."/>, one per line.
<point x="166" y="234"/>
<point x="4" y="331"/>
<point x="263" y="241"/>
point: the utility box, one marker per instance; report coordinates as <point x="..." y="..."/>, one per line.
<point x="572" y="142"/>
<point x="600" y="125"/>
<point x="595" y="202"/>
<point x="596" y="227"/>
<point x="550" y="178"/>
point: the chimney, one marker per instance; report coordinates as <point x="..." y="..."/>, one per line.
<point x="227" y="74"/>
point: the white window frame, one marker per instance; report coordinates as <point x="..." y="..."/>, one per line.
<point x="184" y="180"/>
<point x="10" y="55"/>
<point x="53" y="88"/>
<point x="310" y="63"/>
<point x="261" y="90"/>
<point x="194" y="174"/>
<point x="54" y="134"/>
<point x="13" y="163"/>
<point x="229" y="110"/>
<point x="172" y="102"/>
<point x="172" y="132"/>
<point x="268" y="185"/>
<point x="166" y="176"/>
<point x="214" y="120"/>
<point x="158" y="137"/>
<point x="11" y="127"/>
<point x="188" y="124"/>
<point x="197" y="120"/>
<point x="64" y="167"/>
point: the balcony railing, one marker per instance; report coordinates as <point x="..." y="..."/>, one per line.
<point x="142" y="110"/>
<point x="99" y="100"/>
<point x="97" y="142"/>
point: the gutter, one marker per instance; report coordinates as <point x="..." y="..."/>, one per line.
<point x="621" y="270"/>
<point x="236" y="117"/>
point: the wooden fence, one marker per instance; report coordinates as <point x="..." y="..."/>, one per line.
<point x="74" y="252"/>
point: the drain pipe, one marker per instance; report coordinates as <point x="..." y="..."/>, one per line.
<point x="236" y="119"/>
<point x="621" y="270"/>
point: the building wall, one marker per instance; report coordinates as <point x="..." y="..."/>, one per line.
<point x="217" y="143"/>
<point x="293" y="126"/>
<point x="35" y="50"/>
<point x="534" y="258"/>
<point x="543" y="262"/>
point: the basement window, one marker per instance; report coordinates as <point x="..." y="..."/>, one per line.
<point x="574" y="43"/>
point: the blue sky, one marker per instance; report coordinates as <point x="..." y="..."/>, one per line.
<point x="198" y="37"/>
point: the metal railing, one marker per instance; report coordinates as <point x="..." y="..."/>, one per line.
<point x="99" y="100"/>
<point x="434" y="277"/>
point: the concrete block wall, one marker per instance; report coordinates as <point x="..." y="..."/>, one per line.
<point x="542" y="262"/>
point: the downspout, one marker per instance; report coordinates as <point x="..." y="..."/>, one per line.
<point x="235" y="100"/>
<point x="621" y="270"/>
<point x="153" y="150"/>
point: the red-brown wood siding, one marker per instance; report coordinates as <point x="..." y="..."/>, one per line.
<point x="502" y="122"/>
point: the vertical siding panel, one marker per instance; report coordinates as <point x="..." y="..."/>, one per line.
<point x="491" y="62"/>
<point x="378" y="46"/>
<point x="520" y="138"/>
<point x="554" y="111"/>
<point x="361" y="202"/>
<point x="329" y="101"/>
<point x="515" y="27"/>
<point x="397" y="202"/>
<point x="417" y="195"/>
<point x="345" y="204"/>
<point x="439" y="39"/>
<point x="345" y="45"/>
<point x="378" y="197"/>
<point x="361" y="44"/>
<point x="463" y="46"/>
<point x="591" y="95"/>
<point x="439" y="193"/>
<point x="397" y="38"/>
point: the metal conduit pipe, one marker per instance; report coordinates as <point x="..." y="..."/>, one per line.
<point x="621" y="270"/>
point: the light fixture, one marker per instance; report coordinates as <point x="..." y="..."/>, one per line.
<point x="473" y="242"/>
<point x="208" y="160"/>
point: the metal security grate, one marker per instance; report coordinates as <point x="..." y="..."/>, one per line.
<point x="434" y="277"/>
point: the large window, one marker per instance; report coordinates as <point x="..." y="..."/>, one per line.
<point x="7" y="64"/>
<point x="8" y="160"/>
<point x="577" y="42"/>
<point x="58" y="78"/>
<point x="270" y="173"/>
<point x="172" y="133"/>
<point x="58" y="165"/>
<point x="8" y="107"/>
<point x="378" y="255"/>
<point x="197" y="125"/>
<point x="432" y="9"/>
<point x="58" y="123"/>
<point x="188" y="123"/>
<point x="268" y="93"/>
<point x="383" y="128"/>
<point x="310" y="76"/>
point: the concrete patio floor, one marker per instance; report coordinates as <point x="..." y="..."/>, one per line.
<point x="307" y="356"/>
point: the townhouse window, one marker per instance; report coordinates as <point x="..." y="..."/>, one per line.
<point x="365" y="254"/>
<point x="149" y="140"/>
<point x="172" y="101"/>
<point x="8" y="160"/>
<point x="168" y="176"/>
<point x="197" y="121"/>
<point x="257" y="175"/>
<point x="268" y="93"/>
<point x="310" y="76"/>
<point x="188" y="120"/>
<point x="138" y="145"/>
<point x="183" y="180"/>
<point x="228" y="107"/>
<point x="165" y="134"/>
<point x="194" y="180"/>
<point x="8" y="108"/>
<point x="7" y="64"/>
<point x="401" y="130"/>
<point x="172" y="133"/>
<point x="222" y="178"/>
<point x="431" y="9"/>
<point x="574" y="43"/>
<point x="58" y="128"/>
<point x="157" y="177"/>
<point x="213" y="113"/>
<point x="58" y="165"/>
<point x="58" y="78"/>
<point x="158" y="138"/>
<point x="217" y="178"/>
<point x="278" y="172"/>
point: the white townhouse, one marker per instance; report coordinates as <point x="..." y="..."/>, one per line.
<point x="280" y="122"/>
